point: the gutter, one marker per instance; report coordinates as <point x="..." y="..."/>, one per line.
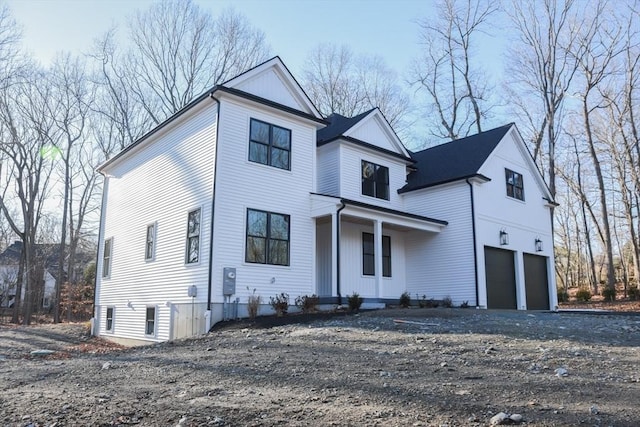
<point x="475" y="246"/>
<point x="213" y="203"/>
<point x="342" y="206"/>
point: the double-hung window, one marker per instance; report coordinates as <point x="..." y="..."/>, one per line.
<point x="515" y="184"/>
<point x="150" y="321"/>
<point x="109" y="323"/>
<point x="369" y="257"/>
<point x="270" y="144"/>
<point x="267" y="238"/>
<point x="106" y="257"/>
<point x="375" y="180"/>
<point x="149" y="250"/>
<point x="193" y="237"/>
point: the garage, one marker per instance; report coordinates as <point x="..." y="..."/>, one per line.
<point x="501" y="278"/>
<point x="536" y="282"/>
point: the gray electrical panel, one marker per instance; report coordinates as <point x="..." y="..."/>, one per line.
<point x="192" y="291"/>
<point x="228" y="281"/>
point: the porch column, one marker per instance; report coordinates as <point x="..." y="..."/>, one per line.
<point x="377" y="241"/>
<point x="334" y="253"/>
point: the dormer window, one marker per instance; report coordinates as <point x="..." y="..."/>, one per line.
<point x="515" y="184"/>
<point x="270" y="145"/>
<point x="375" y="180"/>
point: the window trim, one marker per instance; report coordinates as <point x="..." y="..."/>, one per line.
<point x="188" y="237"/>
<point x="267" y="238"/>
<point x="107" y="258"/>
<point x="270" y="145"/>
<point x="150" y="255"/>
<point x="109" y="327"/>
<point x="386" y="243"/>
<point x="154" y="320"/>
<point x="376" y="181"/>
<point x="508" y="173"/>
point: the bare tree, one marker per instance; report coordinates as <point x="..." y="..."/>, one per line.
<point x="338" y="81"/>
<point x="179" y="50"/>
<point x="448" y="73"/>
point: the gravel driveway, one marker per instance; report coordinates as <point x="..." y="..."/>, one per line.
<point x="412" y="367"/>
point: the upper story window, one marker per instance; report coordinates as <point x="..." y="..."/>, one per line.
<point x="193" y="237"/>
<point x="149" y="250"/>
<point x="267" y="238"/>
<point x="515" y="184"/>
<point x="270" y="145"/>
<point x="368" y="255"/>
<point x="106" y="258"/>
<point x="375" y="180"/>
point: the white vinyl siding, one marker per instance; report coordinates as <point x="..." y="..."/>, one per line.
<point x="152" y="185"/>
<point x="329" y="169"/>
<point x="246" y="185"/>
<point x="441" y="265"/>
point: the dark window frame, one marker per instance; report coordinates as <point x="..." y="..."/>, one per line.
<point x="194" y="226"/>
<point x="375" y="180"/>
<point x="150" y="321"/>
<point x="109" y="319"/>
<point x="150" y="242"/>
<point x="368" y="256"/>
<point x="268" y="239"/>
<point x="515" y="184"/>
<point x="270" y="145"/>
<point x="107" y="257"/>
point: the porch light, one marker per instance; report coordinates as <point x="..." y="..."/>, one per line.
<point x="538" y="243"/>
<point x="504" y="237"/>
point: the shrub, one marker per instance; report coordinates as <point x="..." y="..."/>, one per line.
<point x="563" y="296"/>
<point x="253" y="304"/>
<point x="307" y="304"/>
<point x="355" y="301"/>
<point x="465" y="304"/>
<point x="633" y="292"/>
<point x="405" y="300"/>
<point x="583" y="295"/>
<point x="280" y="304"/>
<point x="447" y="302"/>
<point x="423" y="302"/>
<point x="609" y="294"/>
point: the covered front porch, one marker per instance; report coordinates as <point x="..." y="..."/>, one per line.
<point x="361" y="248"/>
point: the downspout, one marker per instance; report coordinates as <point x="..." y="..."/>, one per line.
<point x="342" y="206"/>
<point x="213" y="203"/>
<point x="475" y="248"/>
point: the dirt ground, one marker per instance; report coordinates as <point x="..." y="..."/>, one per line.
<point x="411" y="367"/>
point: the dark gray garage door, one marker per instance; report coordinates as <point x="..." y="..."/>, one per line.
<point x="536" y="282"/>
<point x="501" y="278"/>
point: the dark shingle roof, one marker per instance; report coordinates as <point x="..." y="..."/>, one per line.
<point x="338" y="125"/>
<point x="454" y="160"/>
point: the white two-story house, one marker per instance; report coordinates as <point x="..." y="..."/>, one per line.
<point x="249" y="190"/>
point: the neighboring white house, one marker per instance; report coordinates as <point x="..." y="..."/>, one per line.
<point x="250" y="188"/>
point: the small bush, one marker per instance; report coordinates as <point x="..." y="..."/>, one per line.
<point x="447" y="302"/>
<point x="308" y="304"/>
<point x="405" y="300"/>
<point x="253" y="304"/>
<point x="423" y="302"/>
<point x="280" y="304"/>
<point x="563" y="296"/>
<point x="465" y="304"/>
<point x="355" y="301"/>
<point x="583" y="295"/>
<point x="633" y="292"/>
<point x="609" y="294"/>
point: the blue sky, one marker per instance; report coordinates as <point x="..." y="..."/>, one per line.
<point x="384" y="27"/>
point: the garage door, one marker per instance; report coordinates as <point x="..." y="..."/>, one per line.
<point x="501" y="278"/>
<point x="536" y="282"/>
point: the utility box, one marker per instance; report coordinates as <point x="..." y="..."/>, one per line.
<point x="192" y="291"/>
<point x="228" y="281"/>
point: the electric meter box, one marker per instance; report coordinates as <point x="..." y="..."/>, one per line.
<point x="228" y="281"/>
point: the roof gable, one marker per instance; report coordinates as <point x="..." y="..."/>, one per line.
<point x="272" y="80"/>
<point x="369" y="127"/>
<point x="454" y="160"/>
